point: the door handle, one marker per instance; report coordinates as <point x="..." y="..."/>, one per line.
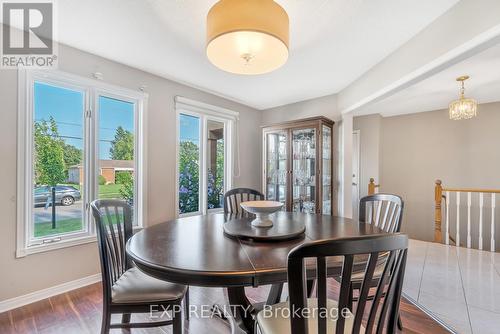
<point x="354" y="184"/>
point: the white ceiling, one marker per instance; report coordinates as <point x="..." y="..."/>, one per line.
<point x="333" y="42"/>
<point x="437" y="91"/>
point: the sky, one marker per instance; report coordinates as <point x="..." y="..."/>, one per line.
<point x="67" y="108"/>
<point x="189" y="128"/>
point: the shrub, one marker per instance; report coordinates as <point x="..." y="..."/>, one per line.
<point x="102" y="180"/>
<point x="123" y="177"/>
<point x="127" y="189"/>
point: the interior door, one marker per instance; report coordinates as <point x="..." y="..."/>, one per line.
<point x="355" y="172"/>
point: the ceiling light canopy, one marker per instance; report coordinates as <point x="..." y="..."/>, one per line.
<point x="247" y="36"/>
<point x="463" y="108"/>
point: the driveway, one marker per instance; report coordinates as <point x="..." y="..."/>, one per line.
<point x="43" y="214"/>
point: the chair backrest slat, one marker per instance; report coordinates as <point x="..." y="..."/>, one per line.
<point x="237" y="196"/>
<point x="322" y="291"/>
<point x="393" y="292"/>
<point x="365" y="288"/>
<point x="344" y="293"/>
<point x="113" y="220"/>
<point x="388" y="289"/>
<point x="386" y="214"/>
<point x="371" y="208"/>
<point x="380" y="290"/>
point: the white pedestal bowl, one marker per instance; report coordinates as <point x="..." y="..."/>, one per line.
<point x="262" y="210"/>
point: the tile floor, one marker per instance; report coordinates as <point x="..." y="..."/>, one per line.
<point x="459" y="286"/>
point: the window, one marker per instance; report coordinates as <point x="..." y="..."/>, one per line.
<point x="79" y="140"/>
<point x="203" y="156"/>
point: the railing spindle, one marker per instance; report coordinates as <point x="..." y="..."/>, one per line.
<point x="481" y="203"/>
<point x="469" y="203"/>
<point x="447" y="234"/>
<point x="457" y="240"/>
<point x="493" y="222"/>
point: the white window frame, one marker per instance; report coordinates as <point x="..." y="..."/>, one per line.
<point x="92" y="89"/>
<point x="205" y="112"/>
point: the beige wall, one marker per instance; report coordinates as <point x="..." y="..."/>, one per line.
<point x="39" y="271"/>
<point x="417" y="149"/>
<point x="323" y="106"/>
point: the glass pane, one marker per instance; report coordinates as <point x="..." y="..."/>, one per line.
<point x="215" y="164"/>
<point x="58" y="160"/>
<point x="116" y="149"/>
<point x="276" y="167"/>
<point x="327" y="170"/>
<point x="304" y="170"/>
<point x="189" y="164"/>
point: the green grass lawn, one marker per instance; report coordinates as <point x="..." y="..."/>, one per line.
<point x="62" y="226"/>
<point x="110" y="191"/>
<point x="105" y="191"/>
<point x="75" y="224"/>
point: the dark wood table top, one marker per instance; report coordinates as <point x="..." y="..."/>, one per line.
<point x="195" y="251"/>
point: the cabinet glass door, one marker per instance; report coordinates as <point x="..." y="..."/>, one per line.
<point x="327" y="170"/>
<point x="304" y="170"/>
<point x="276" y="166"/>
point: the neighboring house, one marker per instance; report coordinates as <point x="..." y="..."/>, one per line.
<point x="107" y="168"/>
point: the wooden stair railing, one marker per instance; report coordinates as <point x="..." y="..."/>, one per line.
<point x="441" y="193"/>
<point x="372" y="186"/>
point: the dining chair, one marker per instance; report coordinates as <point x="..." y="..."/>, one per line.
<point x="382" y="210"/>
<point x="232" y="200"/>
<point x="322" y="315"/>
<point x="126" y="289"/>
<point x="234" y="197"/>
<point x="386" y="212"/>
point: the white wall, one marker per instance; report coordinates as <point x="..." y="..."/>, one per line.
<point x="39" y="271"/>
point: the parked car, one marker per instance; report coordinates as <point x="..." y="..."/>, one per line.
<point x="65" y="195"/>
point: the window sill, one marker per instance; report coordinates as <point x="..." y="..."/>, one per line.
<point x="29" y="250"/>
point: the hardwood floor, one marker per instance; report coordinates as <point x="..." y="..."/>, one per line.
<point x="79" y="311"/>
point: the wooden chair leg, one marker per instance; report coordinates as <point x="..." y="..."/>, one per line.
<point x="351" y="297"/>
<point x="125" y="318"/>
<point x="186" y="305"/>
<point x="177" y="320"/>
<point x="400" y="323"/>
<point x="106" y="322"/>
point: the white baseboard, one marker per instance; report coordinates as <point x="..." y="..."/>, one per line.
<point x="9" y="304"/>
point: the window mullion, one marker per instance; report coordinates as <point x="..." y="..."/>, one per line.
<point x="203" y="164"/>
<point x="90" y="148"/>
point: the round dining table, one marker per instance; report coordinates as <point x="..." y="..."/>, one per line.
<point x="195" y="251"/>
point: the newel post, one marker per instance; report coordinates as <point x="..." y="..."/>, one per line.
<point x="371" y="186"/>
<point x="438" y="197"/>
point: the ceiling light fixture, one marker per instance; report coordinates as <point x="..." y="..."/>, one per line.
<point x="463" y="108"/>
<point x="247" y="36"/>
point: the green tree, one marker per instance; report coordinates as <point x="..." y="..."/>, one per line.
<point x="49" y="154"/>
<point x="188" y="177"/>
<point x="216" y="178"/>
<point x="72" y="155"/>
<point x="122" y="147"/>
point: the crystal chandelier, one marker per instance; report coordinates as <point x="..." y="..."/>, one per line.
<point x="463" y="108"/>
